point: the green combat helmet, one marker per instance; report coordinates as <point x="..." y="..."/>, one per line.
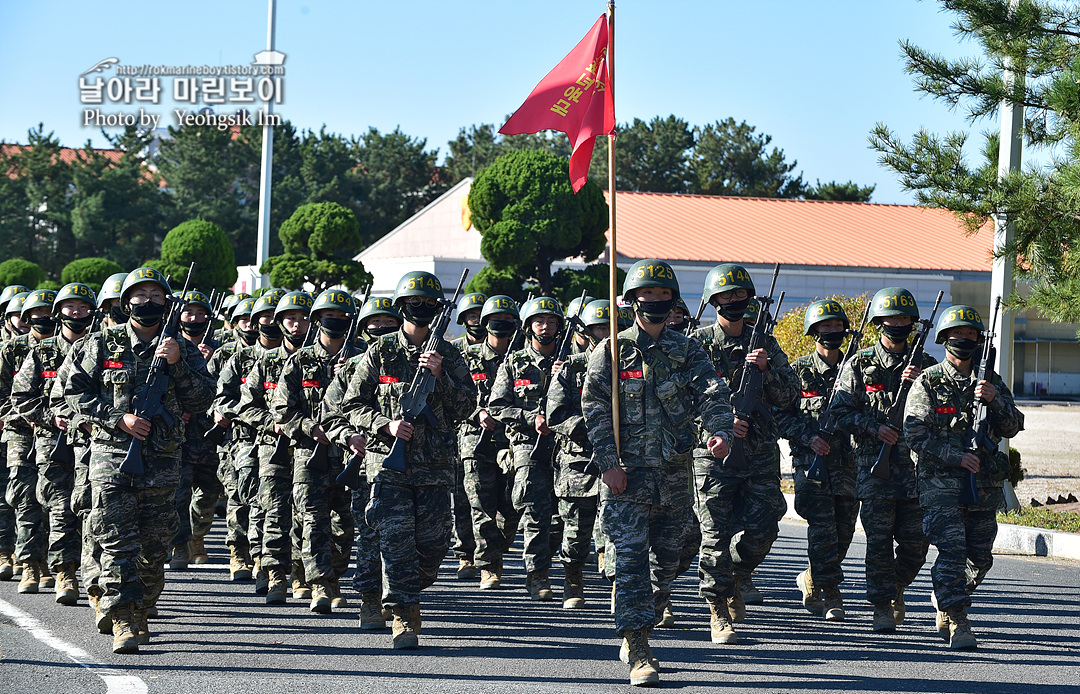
<point x="597" y="312"/>
<point x="893" y="301"/>
<point x="74" y="290"/>
<point x="266" y="302"/>
<point x="419" y="285"/>
<point x="138" y="276"/>
<point x="542" y="305"/>
<point x="199" y="299"/>
<point x="500" y="303"/>
<point x="276" y="292"/>
<point x="726" y="277"/>
<point x="230" y="302"/>
<point x="40" y="298"/>
<point x="651" y="273"/>
<point x="243" y="307"/>
<point x="468" y="303"/>
<point x="9" y="292"/>
<point x="823" y="310"/>
<point x="15" y="304"/>
<point x="957" y="316"/>
<point x="379" y="306"/>
<point x="334" y="300"/>
<point x="575" y="306"/>
<point x="625" y="319"/>
<point x="110" y="288"/>
<point x="293" y="301"/>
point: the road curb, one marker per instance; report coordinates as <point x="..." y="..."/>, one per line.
<point x="1037" y="542"/>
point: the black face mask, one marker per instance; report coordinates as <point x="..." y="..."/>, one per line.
<point x="654" y="311"/>
<point x="117" y="315"/>
<point x="248" y="336"/>
<point x="733" y="311"/>
<point x="335" y="328"/>
<point x="477" y="332"/>
<point x="420" y="315"/>
<point x="270" y="332"/>
<point x="545" y="340"/>
<point x="77" y="325"/>
<point x="147" y="313"/>
<point x="898" y="333"/>
<point x="961" y="348"/>
<point x="831" y="340"/>
<point x="45" y="325"/>
<point x="501" y="328"/>
<point x="379" y="332"/>
<point x="193" y="327"/>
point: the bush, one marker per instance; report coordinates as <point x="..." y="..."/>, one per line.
<point x="19" y="271"/>
<point x="789" y="329"/>
<point x="203" y="243"/>
<point x="90" y="271"/>
<point x="49" y="284"/>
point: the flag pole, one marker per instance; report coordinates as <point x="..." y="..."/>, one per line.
<point x="612" y="255"/>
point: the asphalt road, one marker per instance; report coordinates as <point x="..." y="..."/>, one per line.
<point x="217" y="636"/>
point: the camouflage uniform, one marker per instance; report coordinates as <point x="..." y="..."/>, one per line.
<point x="226" y="473"/>
<point x="577" y="484"/>
<point x="488" y="478"/>
<point x="409" y="510"/>
<point x="56" y="481"/>
<point x="890" y="508"/>
<point x="464" y="535"/>
<point x="730" y="500"/>
<point x="30" y="520"/>
<point x="133" y="518"/>
<point x="519" y="385"/>
<point x="830" y="509"/>
<point x="665" y="386"/>
<point x="316" y="493"/>
<point x="937" y="418"/>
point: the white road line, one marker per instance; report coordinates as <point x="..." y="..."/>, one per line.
<point x="115" y="681"/>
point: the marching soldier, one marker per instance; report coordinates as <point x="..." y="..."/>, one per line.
<point x="109" y="299"/>
<point x="581" y="343"/>
<point x="469" y="309"/>
<point x="11" y="329"/>
<point x="730" y="499"/>
<point x="488" y="468"/>
<point x="829" y="507"/>
<point x="7" y="514"/>
<point x="295" y="405"/>
<point x="468" y="316"/>
<point x="890" y="507"/>
<point x="73" y="307"/>
<point x="410" y="510"/>
<point x="31" y="523"/>
<point x="667" y="390"/>
<point x="938" y="419"/>
<point x="133" y="515"/>
<point x="519" y="386"/>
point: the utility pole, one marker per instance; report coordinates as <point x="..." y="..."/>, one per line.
<point x="263" y="248"/>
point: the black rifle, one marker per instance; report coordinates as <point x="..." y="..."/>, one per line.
<point x="542" y="448"/>
<point x="894" y="416"/>
<point x="63" y="451"/>
<point x="978" y="436"/>
<point x="150" y="401"/>
<point x="827" y="421"/>
<point x="484" y="447"/>
<point x="518" y="341"/>
<point x="692" y="322"/>
<point x="746" y="400"/>
<point x="414" y="401"/>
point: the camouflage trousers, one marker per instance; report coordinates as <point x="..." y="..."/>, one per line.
<point x="534" y="499"/>
<point x="133" y="526"/>
<point x="234" y="530"/>
<point x="276" y="501"/>
<point x="464" y="538"/>
<point x="830" y="523"/>
<point x="642" y="534"/>
<point x="964" y="538"/>
<point x="248" y="514"/>
<point x="324" y="512"/>
<point x="369" y="575"/>
<point x="7" y="514"/>
<point x="30" y="520"/>
<point x="886" y="521"/>
<point x="55" y="485"/>
<point x="578" y="514"/>
<point x="495" y="520"/>
<point x="196" y="498"/>
<point x="725" y="505"/>
<point x="414" y="524"/>
<point x="81" y="503"/>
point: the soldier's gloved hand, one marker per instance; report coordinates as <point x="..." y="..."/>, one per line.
<point x="357" y="444"/>
<point x="487" y="421"/>
<point x="615" y="479"/>
<point x="820" y="446"/>
<point x="985" y="391"/>
<point x="399" y="428"/>
<point x="886" y="434"/>
<point x="319" y="435"/>
<point x="759" y="358"/>
<point x="60" y="424"/>
<point x="541" y="426"/>
<point x="741" y="428"/>
<point x="911" y="373"/>
<point x="168" y="350"/>
<point x="222" y="421"/>
<point x="432" y="361"/>
<point x="718" y="447"/>
<point x="970" y="461"/>
<point x="136" y="426"/>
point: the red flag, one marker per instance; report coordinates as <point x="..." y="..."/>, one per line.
<point x="574" y="98"/>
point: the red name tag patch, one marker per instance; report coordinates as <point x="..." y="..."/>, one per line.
<point x="109" y="364"/>
<point x="48" y="374"/>
<point x="948" y="409"/>
<point x="809" y="393"/>
<point x="268" y="385"/>
<point x="479" y="377"/>
<point x="623" y="375"/>
<point x="310" y="384"/>
<point x="522" y="382"/>
<point x="875" y="387"/>
<point x="389" y="379"/>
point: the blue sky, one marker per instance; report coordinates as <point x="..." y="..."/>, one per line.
<point x="814" y="75"/>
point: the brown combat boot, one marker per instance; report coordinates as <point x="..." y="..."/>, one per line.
<point x="405" y="634"/>
<point x="898" y="607"/>
<point x="141" y="624"/>
<point x="67" y="585"/>
<point x="884" y="621"/>
<point x="960" y="636"/>
<point x="736" y="604"/>
<point x="277" y="589"/>
<point x="337" y="600"/>
<point x="667" y="617"/>
<point x="179" y="559"/>
<point x="45" y="579"/>
<point x="7" y="565"/>
<point x="942" y="624"/>
<point x="750" y="593"/>
<point x="491" y="576"/>
<point x="102" y="620"/>
<point x="811" y="594"/>
<point x="573" y="588"/>
<point x="720" y="622"/>
<point x="466" y="570"/>
<point x="301" y="589"/>
<point x="123" y="630"/>
<point x="371" y="616"/>
<point x="643" y="673"/>
<point x="197" y="551"/>
<point x="262" y="578"/>
<point x="539" y="586"/>
<point x="832" y="604"/>
<point x="238" y="564"/>
<point x="320" y="597"/>
<point x="31" y="577"/>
